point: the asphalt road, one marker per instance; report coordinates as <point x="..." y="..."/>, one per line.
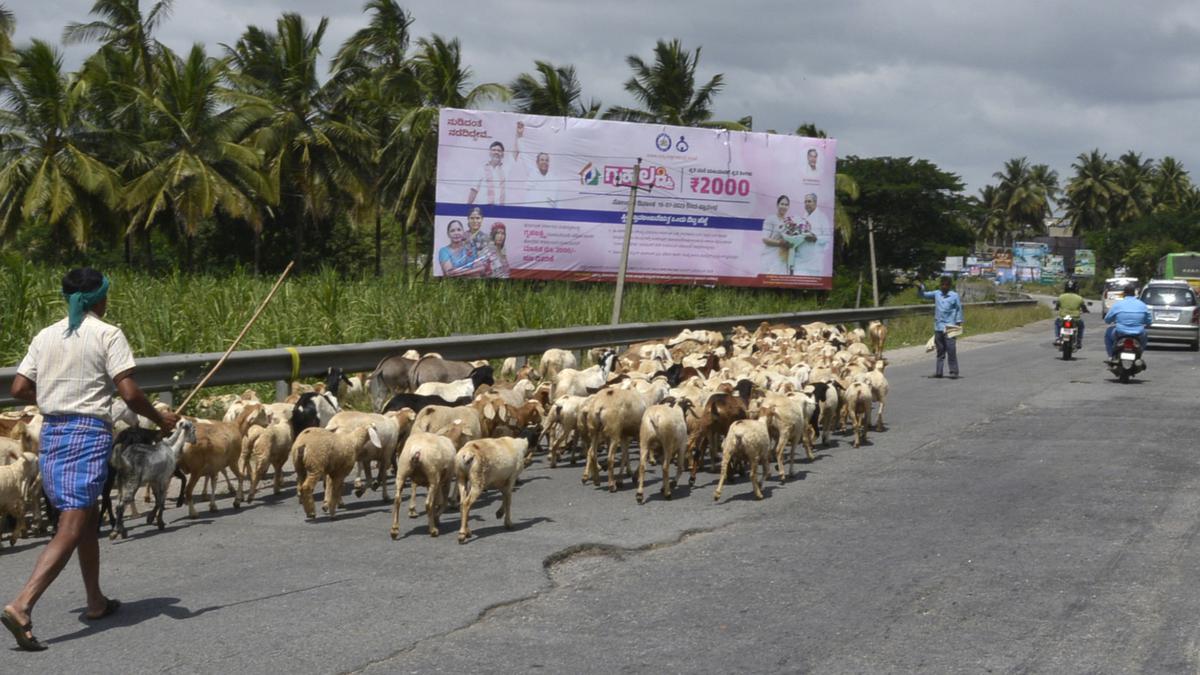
<point x="1033" y="516"/>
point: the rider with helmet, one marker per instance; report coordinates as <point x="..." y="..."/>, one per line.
<point x="1071" y="304"/>
<point x="1129" y="317"/>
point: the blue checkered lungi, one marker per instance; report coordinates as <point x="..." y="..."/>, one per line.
<point x="74" y="460"/>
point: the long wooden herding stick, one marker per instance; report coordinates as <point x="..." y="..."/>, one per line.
<point x="241" y="335"/>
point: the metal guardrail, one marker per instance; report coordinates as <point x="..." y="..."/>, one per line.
<point x="182" y="371"/>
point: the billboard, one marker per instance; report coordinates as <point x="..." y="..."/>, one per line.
<point x="533" y="197"/>
<point x="1053" y="269"/>
<point x="1003" y="259"/>
<point x="1085" y="262"/>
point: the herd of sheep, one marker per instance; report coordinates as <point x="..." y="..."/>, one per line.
<point x="701" y="400"/>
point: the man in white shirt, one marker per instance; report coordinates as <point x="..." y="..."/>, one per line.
<point x="539" y="186"/>
<point x="493" y="182"/>
<point x="811" y="258"/>
<point x="71" y="371"/>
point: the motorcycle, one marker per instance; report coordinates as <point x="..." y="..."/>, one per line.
<point x="1127" y="358"/>
<point x="1068" y="338"/>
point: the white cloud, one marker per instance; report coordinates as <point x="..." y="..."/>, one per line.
<point x="967" y="85"/>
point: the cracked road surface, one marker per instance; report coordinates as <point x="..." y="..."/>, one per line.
<point x="1034" y="516"/>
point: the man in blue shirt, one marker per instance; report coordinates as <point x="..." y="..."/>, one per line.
<point x="947" y="313"/>
<point x="1128" y="316"/>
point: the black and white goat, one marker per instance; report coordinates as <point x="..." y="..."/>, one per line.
<point x="313" y="410"/>
<point x="457" y="389"/>
<point x="139" y="463"/>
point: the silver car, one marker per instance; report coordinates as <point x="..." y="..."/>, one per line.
<point x="1176" y="316"/>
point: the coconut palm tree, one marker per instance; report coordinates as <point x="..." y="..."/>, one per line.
<point x="199" y="167"/>
<point x="277" y="71"/>
<point x="374" y="83"/>
<point x="442" y="81"/>
<point x="8" y="24"/>
<point x="1022" y="196"/>
<point x="555" y="90"/>
<point x="123" y="25"/>
<point x="991" y="226"/>
<point x="1090" y="192"/>
<point x="1134" y="178"/>
<point x="1171" y="184"/>
<point x="667" y="89"/>
<point x="49" y="169"/>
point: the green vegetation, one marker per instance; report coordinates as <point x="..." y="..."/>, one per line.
<point x="203" y="313"/>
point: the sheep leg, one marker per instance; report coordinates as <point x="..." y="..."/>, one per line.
<point x="807" y="438"/>
<point x="626" y="469"/>
<point x="779" y="448"/>
<point x="765" y="462"/>
<point x="160" y="505"/>
<point x="439" y="486"/>
<point x="133" y="501"/>
<point x="237" y="493"/>
<point x="879" y="419"/>
<point x="401" y="476"/>
<point x="305" y="493"/>
<point x="592" y="468"/>
<point x="466" y="501"/>
<point x="187" y="494"/>
<point x="726" y="456"/>
<point x="507" y="507"/>
<point x="641" y="474"/>
<point x="612" y="455"/>
<point x="381" y="480"/>
<point x="123" y="495"/>
<point x="212" y="495"/>
<point x="256" y="476"/>
<point x="360" y="485"/>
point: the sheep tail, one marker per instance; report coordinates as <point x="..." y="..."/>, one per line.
<point x="301" y="472"/>
<point x="416" y="458"/>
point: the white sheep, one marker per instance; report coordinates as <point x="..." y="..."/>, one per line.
<point x="320" y="453"/>
<point x="554" y="361"/>
<point x="392" y="427"/>
<point x="270" y="447"/>
<point x="16" y="481"/>
<point x="750" y="440"/>
<point x="428" y="459"/>
<point x="858" y="402"/>
<point x="664" y="431"/>
<point x="571" y="382"/>
<point x="788" y="418"/>
<point x="560" y="426"/>
<point x="493" y="463"/>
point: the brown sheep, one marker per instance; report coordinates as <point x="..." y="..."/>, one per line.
<point x="319" y="453"/>
<point x="218" y="447"/>
<point x="750" y="440"/>
<point x="615" y="417"/>
<point x="489" y="463"/>
<point x="663" y="430"/>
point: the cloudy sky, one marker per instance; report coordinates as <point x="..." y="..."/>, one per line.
<point x="965" y="84"/>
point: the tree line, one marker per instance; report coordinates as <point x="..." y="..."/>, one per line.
<point x="253" y="156"/>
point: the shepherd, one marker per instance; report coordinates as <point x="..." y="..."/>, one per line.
<point x="71" y="371"/>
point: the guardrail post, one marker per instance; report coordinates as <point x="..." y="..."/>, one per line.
<point x="282" y="390"/>
<point x="167" y="398"/>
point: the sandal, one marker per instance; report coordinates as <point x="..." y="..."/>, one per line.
<point x="110" y="606"/>
<point x="27" y="642"/>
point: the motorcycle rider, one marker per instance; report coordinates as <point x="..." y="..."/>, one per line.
<point x="1129" y="317"/>
<point x="1070" y="303"/>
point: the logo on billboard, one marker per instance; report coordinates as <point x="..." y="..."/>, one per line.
<point x="589" y="175"/>
<point x="664" y="143"/>
<point x="651" y="177"/>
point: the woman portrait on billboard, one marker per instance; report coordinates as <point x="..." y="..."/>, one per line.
<point x="499" y="258"/>
<point x="458" y="258"/>
<point x="477" y="239"/>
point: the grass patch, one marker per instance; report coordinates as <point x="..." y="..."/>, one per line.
<point x="916" y="330"/>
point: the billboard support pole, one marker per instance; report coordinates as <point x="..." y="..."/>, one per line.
<point x="874" y="276"/>
<point x="620" y="292"/>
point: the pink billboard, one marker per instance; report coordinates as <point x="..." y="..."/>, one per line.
<point x="532" y="197"/>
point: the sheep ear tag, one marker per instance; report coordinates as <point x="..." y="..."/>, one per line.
<point x="374" y="436"/>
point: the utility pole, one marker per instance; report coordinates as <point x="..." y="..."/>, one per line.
<point x="620" y="293"/>
<point x="874" y="275"/>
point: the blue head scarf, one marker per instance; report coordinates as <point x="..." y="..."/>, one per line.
<point x="79" y="302"/>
